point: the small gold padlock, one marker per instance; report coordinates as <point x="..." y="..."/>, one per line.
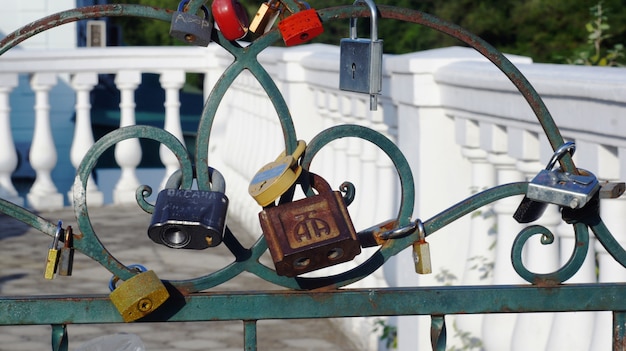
<point x="138" y="296"/>
<point x="275" y="178"/>
<point x="52" y="260"/>
<point x="265" y="17"/>
<point x="421" y="251"/>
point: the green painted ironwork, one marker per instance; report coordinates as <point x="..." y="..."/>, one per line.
<point x="546" y="293"/>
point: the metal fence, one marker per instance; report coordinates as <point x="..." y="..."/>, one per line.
<point x="143" y="297"/>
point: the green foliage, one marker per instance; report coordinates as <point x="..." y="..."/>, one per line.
<point x="468" y="342"/>
<point x="546" y="30"/>
<point x="388" y="333"/>
<point x="595" y="53"/>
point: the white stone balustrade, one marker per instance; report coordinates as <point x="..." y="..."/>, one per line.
<point x="461" y="124"/>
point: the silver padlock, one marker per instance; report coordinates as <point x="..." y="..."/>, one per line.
<point x="190" y="28"/>
<point x="361" y="60"/>
<point x="562" y="188"/>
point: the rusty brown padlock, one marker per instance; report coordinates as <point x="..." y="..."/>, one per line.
<point x="311" y="233"/>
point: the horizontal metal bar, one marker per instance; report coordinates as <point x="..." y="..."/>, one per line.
<point x="222" y="306"/>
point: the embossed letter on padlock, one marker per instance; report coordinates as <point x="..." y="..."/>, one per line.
<point x="190" y="28"/>
<point x="361" y="60"/>
<point x="311" y="233"/>
<point x="300" y="27"/>
<point x="190" y="219"/>
<point x="138" y="296"/>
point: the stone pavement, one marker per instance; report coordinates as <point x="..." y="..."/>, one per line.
<point x="122" y="229"/>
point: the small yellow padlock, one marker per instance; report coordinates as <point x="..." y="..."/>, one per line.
<point x="421" y="251"/>
<point x="275" y="178"/>
<point x="138" y="296"/>
<point x="52" y="260"/>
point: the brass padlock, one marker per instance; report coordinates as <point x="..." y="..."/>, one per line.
<point x="138" y="296"/>
<point x="52" y="260"/>
<point x="311" y="233"/>
<point x="265" y="17"/>
<point x="275" y="178"/>
<point x="421" y="251"/>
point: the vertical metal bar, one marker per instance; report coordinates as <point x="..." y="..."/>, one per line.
<point x="438" y="333"/>
<point x="59" y="337"/>
<point x="249" y="335"/>
<point x="619" y="331"/>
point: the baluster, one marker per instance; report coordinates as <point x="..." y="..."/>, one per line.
<point x="612" y="213"/>
<point x="360" y="157"/>
<point x="83" y="83"/>
<point x="524" y="146"/>
<point x="127" y="152"/>
<point x="498" y="328"/>
<point x="171" y="81"/>
<point x="573" y="330"/>
<point x="325" y="158"/>
<point x="480" y="254"/>
<point x="8" y="154"/>
<point x="339" y="147"/>
<point x="43" y="195"/>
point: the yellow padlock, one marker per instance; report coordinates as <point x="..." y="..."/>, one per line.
<point x="421" y="251"/>
<point x="275" y="178"/>
<point x="52" y="260"/>
<point x="139" y="296"/>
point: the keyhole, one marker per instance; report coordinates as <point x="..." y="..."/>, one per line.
<point x="353" y="70"/>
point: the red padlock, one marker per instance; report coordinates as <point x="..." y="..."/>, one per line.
<point x="231" y="18"/>
<point x="300" y="27"/>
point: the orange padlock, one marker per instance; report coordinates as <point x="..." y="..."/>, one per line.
<point x="231" y="18"/>
<point x="300" y="27"/>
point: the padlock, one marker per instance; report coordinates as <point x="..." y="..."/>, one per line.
<point x="300" y="27"/>
<point x="190" y="219"/>
<point x="530" y="210"/>
<point x="421" y="251"/>
<point x="52" y="260"/>
<point x="138" y="296"/>
<point x="231" y="18"/>
<point x="310" y="233"/>
<point x="66" y="257"/>
<point x="361" y="60"/>
<point x="265" y="17"/>
<point x="562" y="188"/>
<point x="275" y="178"/>
<point x="190" y="28"/>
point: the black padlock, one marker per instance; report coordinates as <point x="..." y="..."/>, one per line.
<point x="187" y="218"/>
<point x="190" y="28"/>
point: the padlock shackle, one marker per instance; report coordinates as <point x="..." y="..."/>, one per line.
<point x="570" y="147"/>
<point x="57" y="235"/>
<point x="218" y="183"/>
<point x="183" y="3"/>
<point x="373" y="20"/>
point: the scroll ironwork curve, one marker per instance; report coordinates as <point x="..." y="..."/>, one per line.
<point x="245" y="58"/>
